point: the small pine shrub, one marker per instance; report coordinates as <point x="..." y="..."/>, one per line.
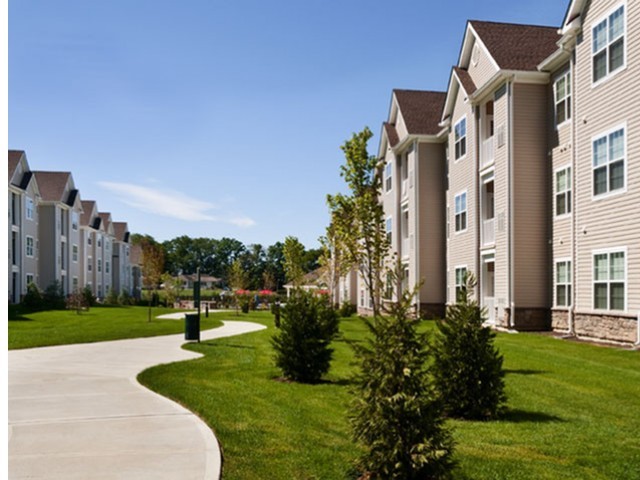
<point x="396" y="414"/>
<point x="88" y="297"/>
<point x="112" y="297"/>
<point x="125" y="298"/>
<point x="302" y="343"/>
<point x="33" y="298"/>
<point x="76" y="301"/>
<point x="54" y="297"/>
<point x="468" y="367"/>
<point x="346" y="310"/>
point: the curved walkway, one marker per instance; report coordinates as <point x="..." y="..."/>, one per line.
<point x="78" y="412"/>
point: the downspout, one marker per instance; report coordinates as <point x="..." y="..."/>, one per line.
<point x="416" y="223"/>
<point x="478" y="209"/>
<point x="512" y="306"/>
<point x="574" y="213"/>
<point x="638" y="327"/>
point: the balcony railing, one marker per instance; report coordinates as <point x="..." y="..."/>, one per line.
<point x="488" y="152"/>
<point x="488" y="232"/>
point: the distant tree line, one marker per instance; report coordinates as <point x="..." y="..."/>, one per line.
<point x="264" y="268"/>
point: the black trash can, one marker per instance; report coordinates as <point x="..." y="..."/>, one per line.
<point x="192" y="327"/>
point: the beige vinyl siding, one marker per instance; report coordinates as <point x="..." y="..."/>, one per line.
<point x="485" y="67"/>
<point x="431" y="221"/>
<point x="531" y="194"/>
<point x="501" y="199"/>
<point x="389" y="198"/>
<point x="49" y="241"/>
<point x="462" y="177"/>
<point x="401" y="126"/>
<point x="613" y="221"/>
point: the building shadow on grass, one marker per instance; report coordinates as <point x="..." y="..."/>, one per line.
<point x="524" y="371"/>
<point x="217" y="344"/>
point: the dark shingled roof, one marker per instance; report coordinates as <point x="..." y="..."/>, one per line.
<point x="52" y="185"/>
<point x="14" y="159"/>
<point x="421" y="110"/>
<point x="87" y="210"/>
<point x="467" y="82"/>
<point x="517" y="47"/>
<point x="392" y="134"/>
<point x="121" y="230"/>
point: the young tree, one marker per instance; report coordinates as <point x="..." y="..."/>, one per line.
<point x="396" y="413"/>
<point x="238" y="280"/>
<point x="293" y="253"/>
<point x="302" y="343"/>
<point x="152" y="267"/>
<point x="358" y="219"/>
<point x="468" y="367"/>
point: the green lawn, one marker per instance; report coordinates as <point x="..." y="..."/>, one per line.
<point x="574" y="411"/>
<point x="61" y="327"/>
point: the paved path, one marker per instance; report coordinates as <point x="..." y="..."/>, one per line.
<point x="77" y="412"/>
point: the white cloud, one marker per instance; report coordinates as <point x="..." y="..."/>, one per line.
<point x="172" y="204"/>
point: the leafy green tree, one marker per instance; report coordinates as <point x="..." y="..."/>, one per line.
<point x="302" y="343"/>
<point x="396" y="413"/>
<point x="358" y="218"/>
<point x="468" y="367"/>
<point x="33" y="298"/>
<point x="152" y="267"/>
<point x="293" y="253"/>
<point x="274" y="264"/>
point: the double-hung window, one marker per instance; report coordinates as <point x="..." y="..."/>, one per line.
<point x="29" y="247"/>
<point x="74" y="253"/>
<point x="608" y="162"/>
<point x="609" y="280"/>
<point x="608" y="49"/>
<point x="461" y="212"/>
<point x="388" y="176"/>
<point x="389" y="229"/>
<point x="563" y="283"/>
<point x="29" y="209"/>
<point x="562" y="93"/>
<point x="460" y="138"/>
<point x="461" y="286"/>
<point x="563" y="191"/>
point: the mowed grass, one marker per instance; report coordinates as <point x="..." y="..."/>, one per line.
<point x="99" y="324"/>
<point x="574" y="410"/>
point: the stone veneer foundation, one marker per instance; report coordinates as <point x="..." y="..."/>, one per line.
<point x="616" y="328"/>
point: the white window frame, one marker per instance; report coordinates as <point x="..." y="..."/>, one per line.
<point x="566" y="99"/>
<point x="29" y="278"/>
<point x="567" y="192"/>
<point x="461" y="212"/>
<point x="462" y="138"/>
<point x="74" y="253"/>
<point x="389" y="229"/>
<point x="99" y="265"/>
<point x="388" y="177"/>
<point x="29" y="208"/>
<point x="89" y="263"/>
<point x="29" y="246"/>
<point x="607" y="134"/>
<point x="605" y="19"/>
<point x="107" y="266"/>
<point x="74" y="221"/>
<point x="609" y="281"/>
<point x="568" y="283"/>
<point x="457" y="285"/>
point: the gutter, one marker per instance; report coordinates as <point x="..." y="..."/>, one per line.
<point x="512" y="305"/>
<point x="574" y="213"/>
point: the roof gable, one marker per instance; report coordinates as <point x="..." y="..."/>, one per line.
<point x="55" y="186"/>
<point x="14" y="158"/>
<point x="420" y="110"/>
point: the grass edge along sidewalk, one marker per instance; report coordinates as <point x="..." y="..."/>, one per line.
<point x="573" y="413"/>
<point x="99" y="324"/>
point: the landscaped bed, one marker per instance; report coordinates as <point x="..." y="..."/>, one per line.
<point x="574" y="410"/>
<point x="98" y="324"/>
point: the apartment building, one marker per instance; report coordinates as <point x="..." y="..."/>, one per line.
<point x="536" y="139"/>
<point x="54" y="236"/>
<point x="593" y="131"/>
<point x="58" y="230"/>
<point x="23" y="199"/>
<point x="413" y="193"/>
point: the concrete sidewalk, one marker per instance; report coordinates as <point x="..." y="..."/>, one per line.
<point x="77" y="412"/>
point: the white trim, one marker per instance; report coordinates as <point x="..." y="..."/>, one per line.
<point x="567" y="75"/>
<point x="554" y="214"/>
<point x="609" y="251"/>
<point x="603" y="134"/>
<point x="568" y="260"/>
<point x="466" y="137"/>
<point x="605" y="17"/>
<point x="26" y="246"/>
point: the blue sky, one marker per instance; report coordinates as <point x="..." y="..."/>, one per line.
<point x="211" y="118"/>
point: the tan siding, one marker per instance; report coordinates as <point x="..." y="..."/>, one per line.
<point x="483" y="70"/>
<point x="531" y="197"/>
<point x="614" y="221"/>
<point x="462" y="176"/>
<point x="431" y="238"/>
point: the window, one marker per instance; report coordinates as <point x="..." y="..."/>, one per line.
<point x="608" y="162"/>
<point x="74" y="253"/>
<point x="106" y="266"/>
<point x="29" y="247"/>
<point x="563" y="191"/>
<point x="99" y="265"/>
<point x="29" y="279"/>
<point x="562" y="92"/>
<point x="389" y="229"/>
<point x="89" y="264"/>
<point x="74" y="221"/>
<point x="563" y="283"/>
<point x="460" y="138"/>
<point x="74" y="283"/>
<point x="461" y="212"/>
<point x="608" y="45"/>
<point x="388" y="176"/>
<point x="89" y="242"/>
<point x="609" y="280"/>
<point x="461" y="287"/>
<point x="99" y="241"/>
<point x="29" y="208"/>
